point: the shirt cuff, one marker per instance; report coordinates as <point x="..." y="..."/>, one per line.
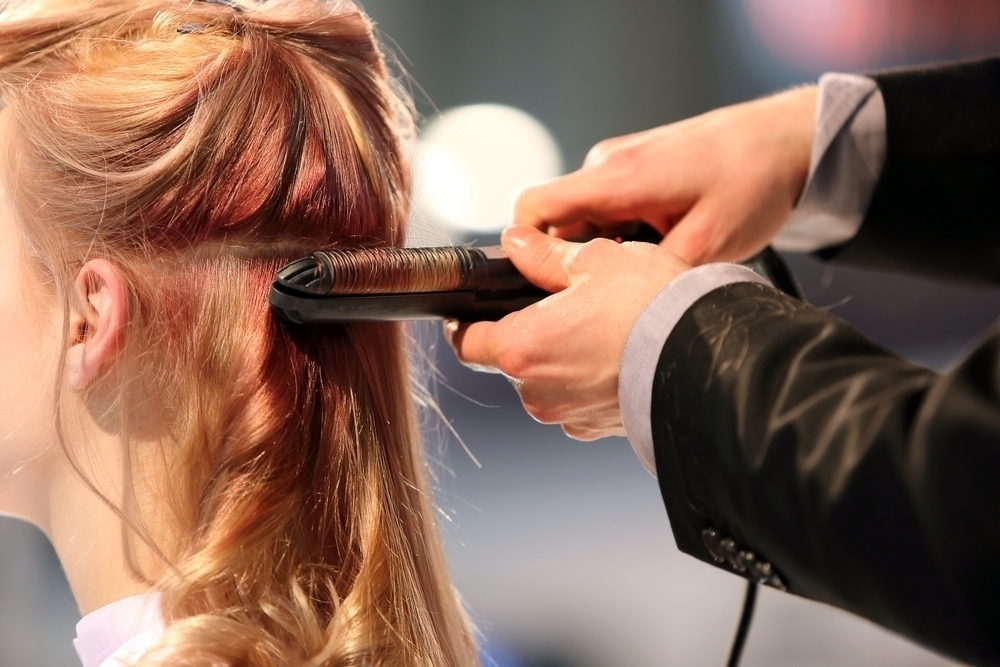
<point x="645" y="344"/>
<point x="848" y="153"/>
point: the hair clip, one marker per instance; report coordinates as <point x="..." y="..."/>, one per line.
<point x="188" y="28"/>
<point x="232" y="4"/>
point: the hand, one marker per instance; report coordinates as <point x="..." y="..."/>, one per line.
<point x="717" y="186"/>
<point x="563" y="353"/>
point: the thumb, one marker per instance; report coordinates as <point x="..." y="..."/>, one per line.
<point x="538" y="256"/>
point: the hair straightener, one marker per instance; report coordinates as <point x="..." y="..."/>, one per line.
<point x="371" y="284"/>
<point x="463" y="283"/>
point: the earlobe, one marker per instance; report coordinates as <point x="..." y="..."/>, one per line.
<point x="97" y="322"/>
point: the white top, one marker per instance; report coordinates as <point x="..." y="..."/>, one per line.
<point x="118" y="634"/>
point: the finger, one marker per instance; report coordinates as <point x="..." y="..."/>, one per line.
<point x="475" y="344"/>
<point x="578" y="196"/>
<point x="538" y="256"/>
<point x="580" y="231"/>
<point x="698" y="237"/>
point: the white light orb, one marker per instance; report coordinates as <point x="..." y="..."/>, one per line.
<point x="471" y="161"/>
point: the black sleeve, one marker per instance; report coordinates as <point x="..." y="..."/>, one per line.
<point x="791" y="449"/>
<point x="936" y="208"/>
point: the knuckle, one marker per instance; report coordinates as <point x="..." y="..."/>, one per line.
<point x="512" y="362"/>
<point x="579" y="257"/>
<point x="603" y="152"/>
<point x="599" y="246"/>
<point x="638" y="249"/>
<point x="526" y="199"/>
<point x="571" y="261"/>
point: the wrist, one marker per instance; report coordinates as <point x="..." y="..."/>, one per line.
<point x="798" y="118"/>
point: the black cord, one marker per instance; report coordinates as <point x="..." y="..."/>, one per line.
<point x="743" y="629"/>
<point x="769" y="264"/>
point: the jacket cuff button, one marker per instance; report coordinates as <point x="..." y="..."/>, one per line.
<point x="734" y="556"/>
<point x="711" y="539"/>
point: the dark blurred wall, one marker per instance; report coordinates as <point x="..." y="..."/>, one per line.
<point x="588" y="69"/>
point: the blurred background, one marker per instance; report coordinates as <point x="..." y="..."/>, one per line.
<point x="562" y="550"/>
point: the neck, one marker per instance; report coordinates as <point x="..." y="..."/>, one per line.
<point x="85" y="532"/>
<point x="89" y="538"/>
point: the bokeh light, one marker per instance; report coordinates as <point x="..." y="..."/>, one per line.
<point x="472" y="160"/>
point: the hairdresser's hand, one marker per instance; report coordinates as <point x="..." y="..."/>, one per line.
<point x="563" y="353"/>
<point x="717" y="186"/>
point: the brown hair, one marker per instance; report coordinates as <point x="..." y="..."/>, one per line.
<point x="200" y="146"/>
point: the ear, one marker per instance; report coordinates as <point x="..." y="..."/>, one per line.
<point x="97" y="322"/>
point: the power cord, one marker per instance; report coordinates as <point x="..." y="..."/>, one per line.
<point x="769" y="264"/>
<point x="743" y="629"/>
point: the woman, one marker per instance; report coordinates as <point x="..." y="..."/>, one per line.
<point x="222" y="488"/>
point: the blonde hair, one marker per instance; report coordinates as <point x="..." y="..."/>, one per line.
<point x="200" y="146"/>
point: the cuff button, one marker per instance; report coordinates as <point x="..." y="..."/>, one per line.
<point x="710" y="537"/>
<point x="742" y="561"/>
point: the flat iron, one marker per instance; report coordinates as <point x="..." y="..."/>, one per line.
<point x="378" y="284"/>
<point x="463" y="283"/>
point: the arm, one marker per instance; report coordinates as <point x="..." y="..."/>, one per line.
<point x="865" y="481"/>
<point x="847" y="161"/>
<point x="720" y="186"/>
<point x="939" y="186"/>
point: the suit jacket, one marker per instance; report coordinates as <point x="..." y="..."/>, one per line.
<point x="798" y="453"/>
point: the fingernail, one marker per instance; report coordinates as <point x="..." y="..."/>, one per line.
<point x="514" y="237"/>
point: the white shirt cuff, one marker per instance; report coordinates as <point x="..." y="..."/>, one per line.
<point x="848" y="153"/>
<point x="645" y="344"/>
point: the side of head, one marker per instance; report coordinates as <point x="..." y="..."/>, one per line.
<point x="163" y="159"/>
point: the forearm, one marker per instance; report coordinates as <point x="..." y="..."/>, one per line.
<point x="867" y="482"/>
<point x="846" y="170"/>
